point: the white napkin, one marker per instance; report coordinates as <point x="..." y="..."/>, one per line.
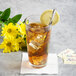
<point x="50" y="68"/>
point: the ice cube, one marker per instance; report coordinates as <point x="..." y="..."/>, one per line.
<point x="39" y="36"/>
<point x="39" y="30"/>
<point x="34" y="45"/>
<point x="37" y="42"/>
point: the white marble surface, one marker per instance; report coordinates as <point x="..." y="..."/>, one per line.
<point x="63" y="34"/>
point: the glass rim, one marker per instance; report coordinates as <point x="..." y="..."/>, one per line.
<point x="28" y="17"/>
<point x="32" y="15"/>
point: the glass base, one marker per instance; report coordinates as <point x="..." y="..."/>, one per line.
<point x="37" y="66"/>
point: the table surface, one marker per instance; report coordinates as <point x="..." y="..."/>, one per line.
<point x="63" y="34"/>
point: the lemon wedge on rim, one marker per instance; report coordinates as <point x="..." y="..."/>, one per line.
<point x="46" y="16"/>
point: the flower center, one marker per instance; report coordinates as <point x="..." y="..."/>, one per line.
<point x="20" y="42"/>
<point x="8" y="44"/>
<point x="9" y="30"/>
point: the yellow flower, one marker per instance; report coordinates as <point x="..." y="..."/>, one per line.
<point x="22" y="29"/>
<point x="9" y="30"/>
<point x="9" y="45"/>
<point x="21" y="42"/>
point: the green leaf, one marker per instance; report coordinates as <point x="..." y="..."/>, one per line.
<point x="5" y="14"/>
<point x="1" y="12"/>
<point x="16" y="18"/>
<point x="9" y="20"/>
<point x="1" y="21"/>
<point x="0" y="17"/>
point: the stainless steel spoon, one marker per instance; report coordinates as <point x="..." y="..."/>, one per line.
<point x="51" y="19"/>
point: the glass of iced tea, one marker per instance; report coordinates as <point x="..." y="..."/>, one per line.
<point x="37" y="35"/>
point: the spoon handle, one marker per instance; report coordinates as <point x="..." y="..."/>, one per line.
<point x="53" y="13"/>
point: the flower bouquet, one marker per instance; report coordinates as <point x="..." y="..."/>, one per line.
<point x="14" y="34"/>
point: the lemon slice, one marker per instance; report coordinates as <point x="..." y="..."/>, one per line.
<point x="46" y="16"/>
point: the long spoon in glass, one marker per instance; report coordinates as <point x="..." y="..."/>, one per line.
<point x="53" y="14"/>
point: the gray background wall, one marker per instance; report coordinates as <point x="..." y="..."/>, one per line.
<point x="63" y="34"/>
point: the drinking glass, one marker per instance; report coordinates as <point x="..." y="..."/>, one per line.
<point x="37" y="36"/>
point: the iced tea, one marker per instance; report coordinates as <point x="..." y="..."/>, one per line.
<point x="38" y="36"/>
